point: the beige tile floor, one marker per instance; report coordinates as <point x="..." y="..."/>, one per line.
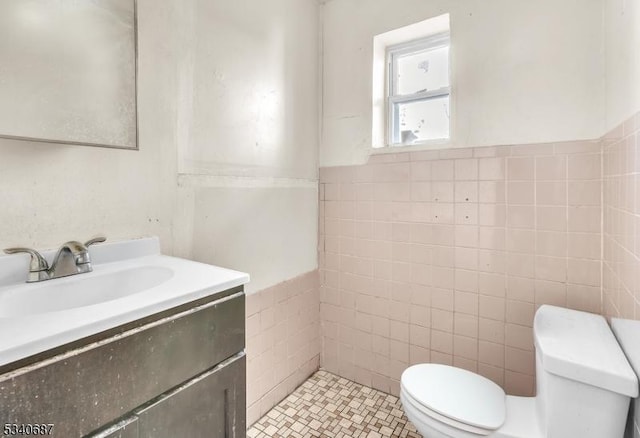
<point x="327" y="405"/>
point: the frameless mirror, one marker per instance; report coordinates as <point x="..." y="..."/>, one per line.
<point x="68" y="71"/>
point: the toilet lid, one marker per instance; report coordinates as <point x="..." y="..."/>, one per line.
<point x="457" y="394"/>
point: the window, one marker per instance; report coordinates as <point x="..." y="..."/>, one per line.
<point x="418" y="91"/>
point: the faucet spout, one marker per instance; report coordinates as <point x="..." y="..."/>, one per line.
<point x="72" y="258"/>
<point x="78" y="250"/>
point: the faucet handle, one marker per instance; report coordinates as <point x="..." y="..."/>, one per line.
<point x="95" y="240"/>
<point x="38" y="263"/>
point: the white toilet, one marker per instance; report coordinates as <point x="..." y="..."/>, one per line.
<point x="584" y="385"/>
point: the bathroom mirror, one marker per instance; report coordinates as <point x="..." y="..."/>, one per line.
<point x="68" y="72"/>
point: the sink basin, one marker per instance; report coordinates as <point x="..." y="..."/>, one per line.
<point x="79" y="291"/>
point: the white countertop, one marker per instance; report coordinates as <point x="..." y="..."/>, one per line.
<point x="29" y="334"/>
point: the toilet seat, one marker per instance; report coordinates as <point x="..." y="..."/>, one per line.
<point x="456" y="397"/>
<point x="431" y="417"/>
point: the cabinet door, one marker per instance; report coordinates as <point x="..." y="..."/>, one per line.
<point x="211" y="405"/>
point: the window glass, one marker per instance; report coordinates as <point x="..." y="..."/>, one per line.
<point x="426" y="70"/>
<point x="422" y="120"/>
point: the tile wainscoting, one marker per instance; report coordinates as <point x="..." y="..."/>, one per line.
<point x="283" y="341"/>
<point x="444" y="256"/>
<point x="621" y="229"/>
<point x="621" y="226"/>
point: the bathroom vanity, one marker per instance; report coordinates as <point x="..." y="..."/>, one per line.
<point x="164" y="360"/>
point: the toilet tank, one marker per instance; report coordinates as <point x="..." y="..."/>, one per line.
<point x="584" y="382"/>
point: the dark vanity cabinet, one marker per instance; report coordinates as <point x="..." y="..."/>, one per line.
<point x="180" y="373"/>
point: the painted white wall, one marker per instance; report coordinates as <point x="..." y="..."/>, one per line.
<point x="268" y="231"/>
<point x="522" y="72"/>
<point x="249" y="88"/>
<point x="53" y="193"/>
<point x="622" y="51"/>
<point x="248" y="134"/>
<point x="227" y="167"/>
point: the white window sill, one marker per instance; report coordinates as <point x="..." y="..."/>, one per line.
<point x="433" y="145"/>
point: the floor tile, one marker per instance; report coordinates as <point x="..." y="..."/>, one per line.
<point x="330" y="406"/>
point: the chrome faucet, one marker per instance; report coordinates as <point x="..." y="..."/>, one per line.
<point x="72" y="258"/>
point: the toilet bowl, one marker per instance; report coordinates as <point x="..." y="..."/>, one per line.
<point x="583" y="384"/>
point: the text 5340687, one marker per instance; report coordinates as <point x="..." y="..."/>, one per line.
<point x="27" y="429"/>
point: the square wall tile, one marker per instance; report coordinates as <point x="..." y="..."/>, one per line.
<point x="444" y="256"/>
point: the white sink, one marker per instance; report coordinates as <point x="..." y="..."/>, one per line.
<point x="130" y="280"/>
<point x="79" y="291"/>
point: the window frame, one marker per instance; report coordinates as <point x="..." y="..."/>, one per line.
<point x="395" y="51"/>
